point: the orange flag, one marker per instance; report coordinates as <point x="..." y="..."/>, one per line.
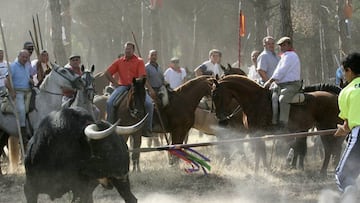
<point x="242" y="24"/>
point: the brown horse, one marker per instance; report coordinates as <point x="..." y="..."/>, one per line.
<point x="319" y="110"/>
<point x="131" y="110"/>
<point x="178" y="115"/>
<point x="100" y="82"/>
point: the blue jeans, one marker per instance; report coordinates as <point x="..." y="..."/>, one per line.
<point x="149" y="107"/>
<point x="20" y="106"/>
<point x="110" y="102"/>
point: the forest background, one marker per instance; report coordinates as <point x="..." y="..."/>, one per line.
<point x="324" y="31"/>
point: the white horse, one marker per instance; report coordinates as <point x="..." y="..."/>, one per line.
<point x="85" y="96"/>
<point x="48" y="99"/>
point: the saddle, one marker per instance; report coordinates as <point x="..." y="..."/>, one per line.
<point x="30" y="96"/>
<point x="298" y="98"/>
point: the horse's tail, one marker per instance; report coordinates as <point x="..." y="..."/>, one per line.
<point x="323" y="87"/>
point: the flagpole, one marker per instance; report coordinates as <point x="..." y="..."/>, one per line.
<point x="239" y="51"/>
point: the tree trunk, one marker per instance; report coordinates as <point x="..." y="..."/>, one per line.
<point x="261" y="20"/>
<point x="285" y="18"/>
<point x="66" y="17"/>
<point x="155" y="30"/>
<point x="344" y="41"/>
<point x="56" y="37"/>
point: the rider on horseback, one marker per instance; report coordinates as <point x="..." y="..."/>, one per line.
<point x="287" y="77"/>
<point x="128" y="67"/>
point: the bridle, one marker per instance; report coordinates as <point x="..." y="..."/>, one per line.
<point x="89" y="85"/>
<point x="234" y="112"/>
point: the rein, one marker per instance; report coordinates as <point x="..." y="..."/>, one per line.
<point x="53" y="93"/>
<point x="72" y="82"/>
<point x="236" y="111"/>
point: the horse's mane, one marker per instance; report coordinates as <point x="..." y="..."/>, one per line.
<point x="322" y="87"/>
<point x="191" y="82"/>
<point x="240" y="78"/>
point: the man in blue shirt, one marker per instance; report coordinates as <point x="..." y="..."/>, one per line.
<point x="22" y="82"/>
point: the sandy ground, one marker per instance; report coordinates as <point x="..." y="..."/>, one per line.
<point x="235" y="182"/>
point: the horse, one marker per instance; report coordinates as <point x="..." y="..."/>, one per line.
<point x="47" y="100"/>
<point x="85" y="96"/>
<point x="100" y="82"/>
<point x="131" y="110"/>
<point x="319" y="110"/>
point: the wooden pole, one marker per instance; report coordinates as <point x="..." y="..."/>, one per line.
<point x="10" y="98"/>
<point x="40" y="36"/>
<point x="36" y="42"/>
<point x="239" y="43"/>
<point x="251" y="139"/>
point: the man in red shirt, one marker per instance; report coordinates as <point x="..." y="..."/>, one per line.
<point x="128" y="67"/>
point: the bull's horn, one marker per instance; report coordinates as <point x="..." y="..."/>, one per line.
<point x="93" y="132"/>
<point x="127" y="130"/>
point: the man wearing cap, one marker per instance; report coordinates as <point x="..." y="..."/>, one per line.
<point x="287" y="77"/>
<point x="175" y="75"/>
<point x="211" y="66"/>
<point x="74" y="65"/>
<point x="267" y="60"/>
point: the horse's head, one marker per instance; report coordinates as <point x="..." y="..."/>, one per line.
<point x="88" y="80"/>
<point x="232" y="71"/>
<point x="221" y="98"/>
<point x="63" y="78"/>
<point x="136" y="98"/>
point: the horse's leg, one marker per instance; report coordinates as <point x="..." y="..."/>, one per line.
<point x="325" y="162"/>
<point x="302" y="152"/>
<point x="14" y="155"/>
<point x="135" y="156"/>
<point x="300" y="149"/>
<point x="3" y="141"/>
<point x="260" y="152"/>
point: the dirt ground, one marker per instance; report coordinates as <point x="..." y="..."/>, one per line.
<point x="235" y="182"/>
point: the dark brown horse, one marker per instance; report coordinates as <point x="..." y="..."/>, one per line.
<point x="179" y="114"/>
<point x="131" y="110"/>
<point x="319" y="110"/>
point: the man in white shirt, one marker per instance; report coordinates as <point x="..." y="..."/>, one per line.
<point x="175" y="75"/>
<point x="211" y="66"/>
<point x="287" y="77"/>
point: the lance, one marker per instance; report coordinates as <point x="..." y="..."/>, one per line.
<point x="36" y="42"/>
<point x="38" y="26"/>
<point x="240" y="140"/>
<point x="9" y="97"/>
<point x="156" y="106"/>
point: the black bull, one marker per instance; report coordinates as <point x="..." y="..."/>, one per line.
<point x="60" y="158"/>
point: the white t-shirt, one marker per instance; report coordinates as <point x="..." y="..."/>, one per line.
<point x="174" y="78"/>
<point x="253" y="74"/>
<point x="3" y="73"/>
<point x="211" y="67"/>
